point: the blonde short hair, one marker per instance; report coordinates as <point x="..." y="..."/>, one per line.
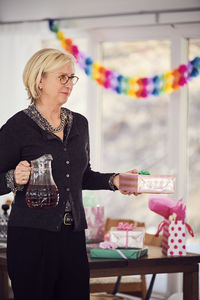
<point x="43" y="61"/>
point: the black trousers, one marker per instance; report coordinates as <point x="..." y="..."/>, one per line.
<point x="45" y="265"/>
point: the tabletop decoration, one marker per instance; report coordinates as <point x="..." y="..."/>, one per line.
<point x="133" y="87"/>
<point x="174" y="226"/>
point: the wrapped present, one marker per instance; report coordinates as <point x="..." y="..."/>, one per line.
<point x="174" y="226"/>
<point x="110" y="250"/>
<point x="125" y="236"/>
<point x="140" y="183"/>
<point x="95" y="221"/>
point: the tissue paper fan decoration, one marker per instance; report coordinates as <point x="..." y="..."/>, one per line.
<point x="131" y="86"/>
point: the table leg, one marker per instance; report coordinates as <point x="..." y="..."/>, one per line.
<point x="149" y="291"/>
<point x="191" y="285"/>
<point x="117" y="284"/>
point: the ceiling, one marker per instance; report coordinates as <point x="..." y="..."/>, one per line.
<point x="28" y="10"/>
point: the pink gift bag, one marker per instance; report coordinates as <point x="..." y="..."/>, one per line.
<point x="95" y="222"/>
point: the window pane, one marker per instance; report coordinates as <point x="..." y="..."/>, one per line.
<point x="193" y="205"/>
<point x="135" y="130"/>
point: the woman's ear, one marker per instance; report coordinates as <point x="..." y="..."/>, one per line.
<point x="41" y="83"/>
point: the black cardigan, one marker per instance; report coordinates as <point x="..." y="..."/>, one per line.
<point x="22" y="139"/>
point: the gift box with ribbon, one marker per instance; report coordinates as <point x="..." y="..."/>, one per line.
<point x="127" y="236"/>
<point x="110" y="250"/>
<point x="142" y="183"/>
<point x="174" y="226"/>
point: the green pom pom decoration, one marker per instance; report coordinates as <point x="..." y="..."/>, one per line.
<point x="55" y="28"/>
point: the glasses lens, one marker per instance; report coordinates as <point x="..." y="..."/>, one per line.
<point x="74" y="79"/>
<point x="63" y="79"/>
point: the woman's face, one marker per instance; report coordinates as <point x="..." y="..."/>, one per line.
<point x="52" y="88"/>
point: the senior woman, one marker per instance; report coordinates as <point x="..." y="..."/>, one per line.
<point x="46" y="251"/>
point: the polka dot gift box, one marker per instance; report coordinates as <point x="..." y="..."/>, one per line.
<point x="174" y="238"/>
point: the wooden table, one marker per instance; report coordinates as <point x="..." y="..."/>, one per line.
<point x="154" y="263"/>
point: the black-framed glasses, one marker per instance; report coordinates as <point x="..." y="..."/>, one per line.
<point x="64" y="78"/>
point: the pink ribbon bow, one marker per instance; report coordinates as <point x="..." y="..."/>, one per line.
<point x="124" y="226"/>
<point x="111" y="246"/>
<point x="127" y="227"/>
<point x="108" y="245"/>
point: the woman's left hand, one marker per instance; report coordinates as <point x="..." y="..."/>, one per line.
<point x="116" y="183"/>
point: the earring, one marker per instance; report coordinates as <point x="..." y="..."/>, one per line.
<point x="40" y="88"/>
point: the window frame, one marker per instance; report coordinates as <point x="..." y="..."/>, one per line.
<point x="178" y="35"/>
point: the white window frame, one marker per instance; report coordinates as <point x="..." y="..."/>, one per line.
<point x="178" y="106"/>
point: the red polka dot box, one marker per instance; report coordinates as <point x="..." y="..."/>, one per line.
<point x="174" y="237"/>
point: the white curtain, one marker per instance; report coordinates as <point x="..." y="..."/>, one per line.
<point x="17" y="43"/>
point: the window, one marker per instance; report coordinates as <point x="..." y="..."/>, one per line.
<point x="193" y="204"/>
<point x="135" y="130"/>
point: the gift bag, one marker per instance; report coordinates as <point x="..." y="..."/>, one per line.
<point x="174" y="237"/>
<point x="95" y="222"/>
<point x="174" y="226"/>
<point x="95" y="218"/>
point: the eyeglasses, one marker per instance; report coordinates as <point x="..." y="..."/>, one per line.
<point x="64" y="78"/>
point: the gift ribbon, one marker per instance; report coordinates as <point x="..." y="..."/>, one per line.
<point x="144" y="172"/>
<point x="127" y="227"/>
<point x="160" y="227"/>
<point x="111" y="246"/>
<point x="124" y="226"/>
<point x="190" y="230"/>
<point x="108" y="245"/>
<point x="162" y="224"/>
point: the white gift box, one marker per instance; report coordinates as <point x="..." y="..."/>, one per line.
<point x="128" y="238"/>
<point x="174" y="238"/>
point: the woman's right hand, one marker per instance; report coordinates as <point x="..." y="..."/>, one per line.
<point x="22" y="172"/>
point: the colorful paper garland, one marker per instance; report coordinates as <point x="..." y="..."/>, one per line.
<point x="130" y="86"/>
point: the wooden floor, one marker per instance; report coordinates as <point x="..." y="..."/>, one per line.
<point x="124" y="297"/>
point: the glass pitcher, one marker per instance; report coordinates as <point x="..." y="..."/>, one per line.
<point x="42" y="191"/>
